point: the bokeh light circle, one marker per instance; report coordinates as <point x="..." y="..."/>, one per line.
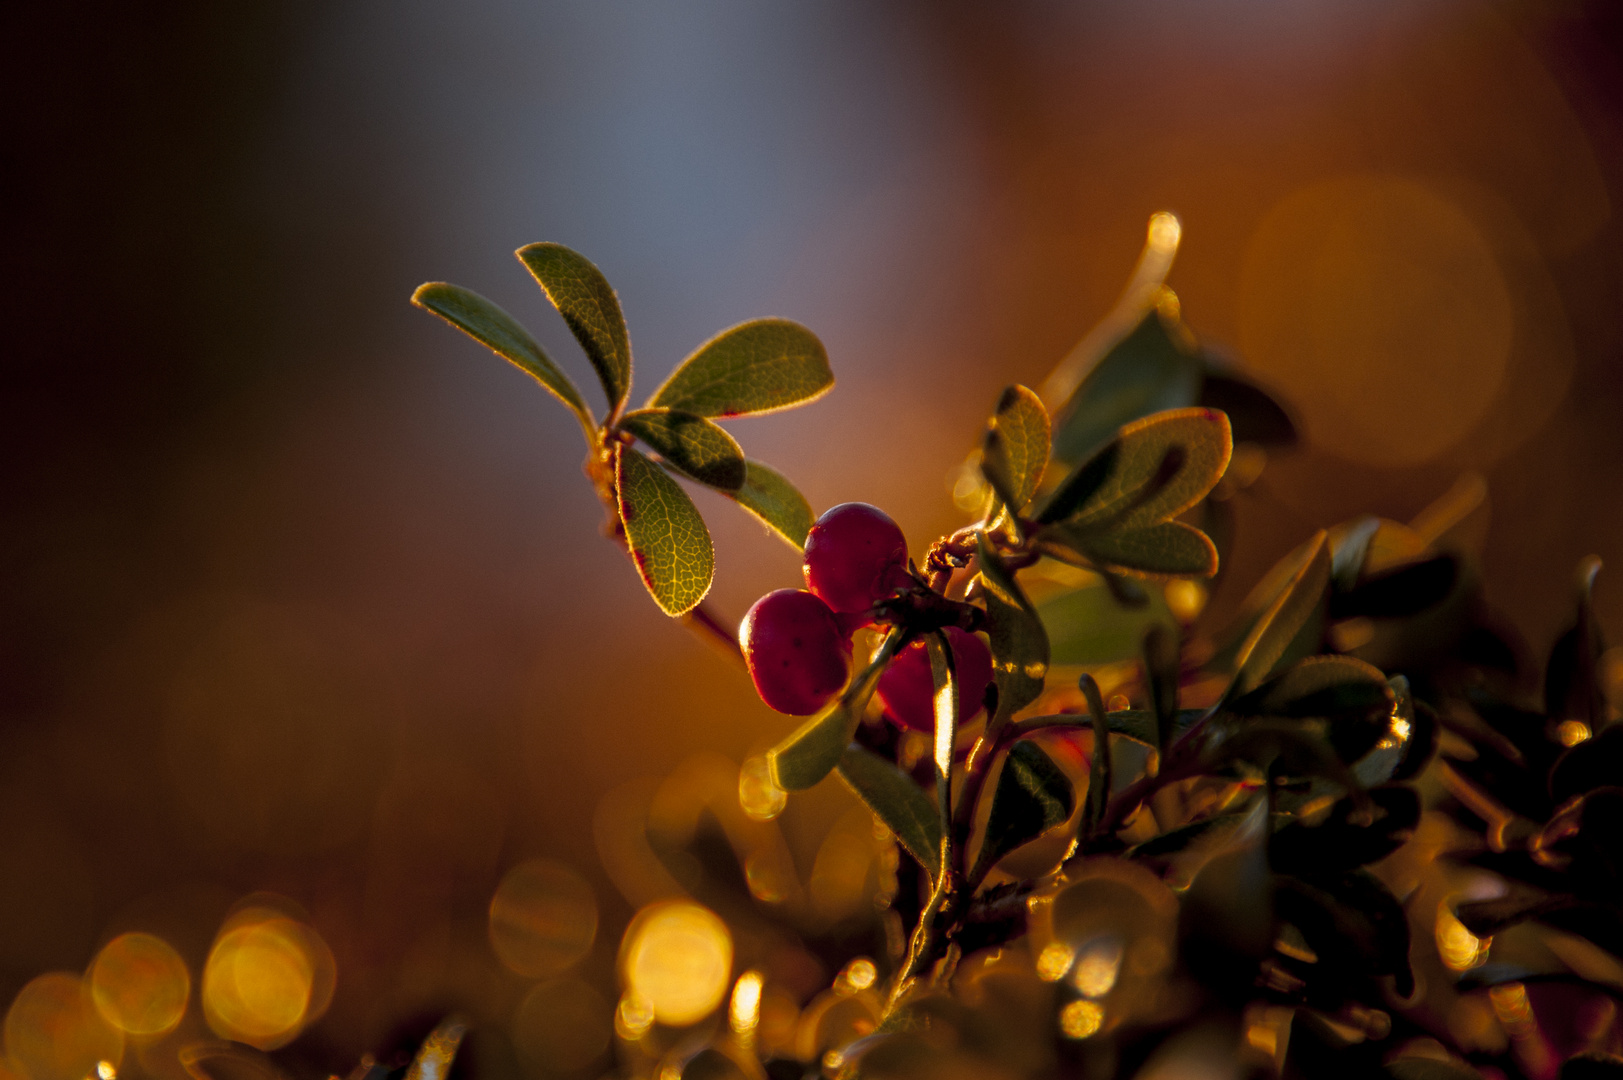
<point x="53" y="1031"/>
<point x="543" y="918"/>
<point x="267" y="977"/>
<point x="563" y="1025"/>
<point x="1380" y="311"/>
<point x="140" y="984"/>
<point x="678" y="956"/>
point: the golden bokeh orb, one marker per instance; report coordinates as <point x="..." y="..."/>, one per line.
<point x="266" y="978"/>
<point x="1080" y="1019"/>
<point x="678" y="956"/>
<point x="1380" y="310"/>
<point x="140" y="984"/>
<point x="53" y="1031"/>
<point x="543" y="919"/>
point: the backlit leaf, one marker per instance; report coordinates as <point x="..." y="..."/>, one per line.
<point x="692" y="444"/>
<point x="1290" y="626"/>
<point x="776" y="502"/>
<point x="897" y="801"/>
<point x="1154" y="469"/>
<point x="1019" y="642"/>
<point x="1152" y="369"/>
<point x="1165" y="550"/>
<point x="816" y="747"/>
<point x="756" y="367"/>
<point x="948" y="709"/>
<point x="434" y="1058"/>
<point x="497" y="330"/>
<point x="1021" y="424"/>
<point x="1032" y="796"/>
<point x="585" y="299"/>
<point x="667" y="537"/>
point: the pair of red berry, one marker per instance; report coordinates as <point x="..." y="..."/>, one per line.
<point x="797" y="643"/>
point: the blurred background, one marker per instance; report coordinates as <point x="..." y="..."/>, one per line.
<point x="307" y="634"/>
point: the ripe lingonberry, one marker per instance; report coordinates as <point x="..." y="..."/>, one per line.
<point x="908" y="689"/>
<point x="855" y="555"/>
<point x="796" y="651"/>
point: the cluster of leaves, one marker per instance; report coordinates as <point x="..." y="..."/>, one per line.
<point x="757" y="367"/>
<point x="1223" y="862"/>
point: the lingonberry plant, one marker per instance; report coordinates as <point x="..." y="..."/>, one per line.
<point x="1330" y="839"/>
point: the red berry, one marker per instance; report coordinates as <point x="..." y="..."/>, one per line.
<point x="908" y="689"/>
<point x="796" y="651"/>
<point x="855" y="555"/>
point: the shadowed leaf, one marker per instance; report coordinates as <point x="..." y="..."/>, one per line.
<point x="1572" y="687"/>
<point x="497" y="330"/>
<point x="1032" y="796"/>
<point x="1349" y="693"/>
<point x="1338" y="844"/>
<point x="667" y="537"/>
<point x="1256" y="416"/>
<point x="776" y="502"/>
<point x="1406" y="590"/>
<point x="691" y="444"/>
<point x="897" y="801"/>
<point x="1154" y="469"/>
<point x="756" y="367"/>
<point x="585" y="299"/>
<point x="1152" y="369"/>
<point x="1019" y="642"/>
<point x="816" y="747"/>
<point x="1291" y="625"/>
<point x="1165" y="550"/>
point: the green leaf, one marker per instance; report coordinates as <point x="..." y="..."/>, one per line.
<point x="756" y="367"/>
<point x="666" y="535"/>
<point x="776" y="502"/>
<point x="584" y="298"/>
<point x="495" y="329"/>
<point x="1289" y="627"/>
<point x="1165" y="550"/>
<point x="1089" y="626"/>
<point x="1019" y="642"/>
<point x="691" y="444"/>
<point x="1021" y="446"/>
<point x="1152" y="369"/>
<point x="1032" y="796"/>
<point x="816" y="747"/>
<point x="1154" y="469"/>
<point x="897" y="801"/>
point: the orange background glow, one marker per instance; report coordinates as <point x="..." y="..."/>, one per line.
<point x="308" y="639"/>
